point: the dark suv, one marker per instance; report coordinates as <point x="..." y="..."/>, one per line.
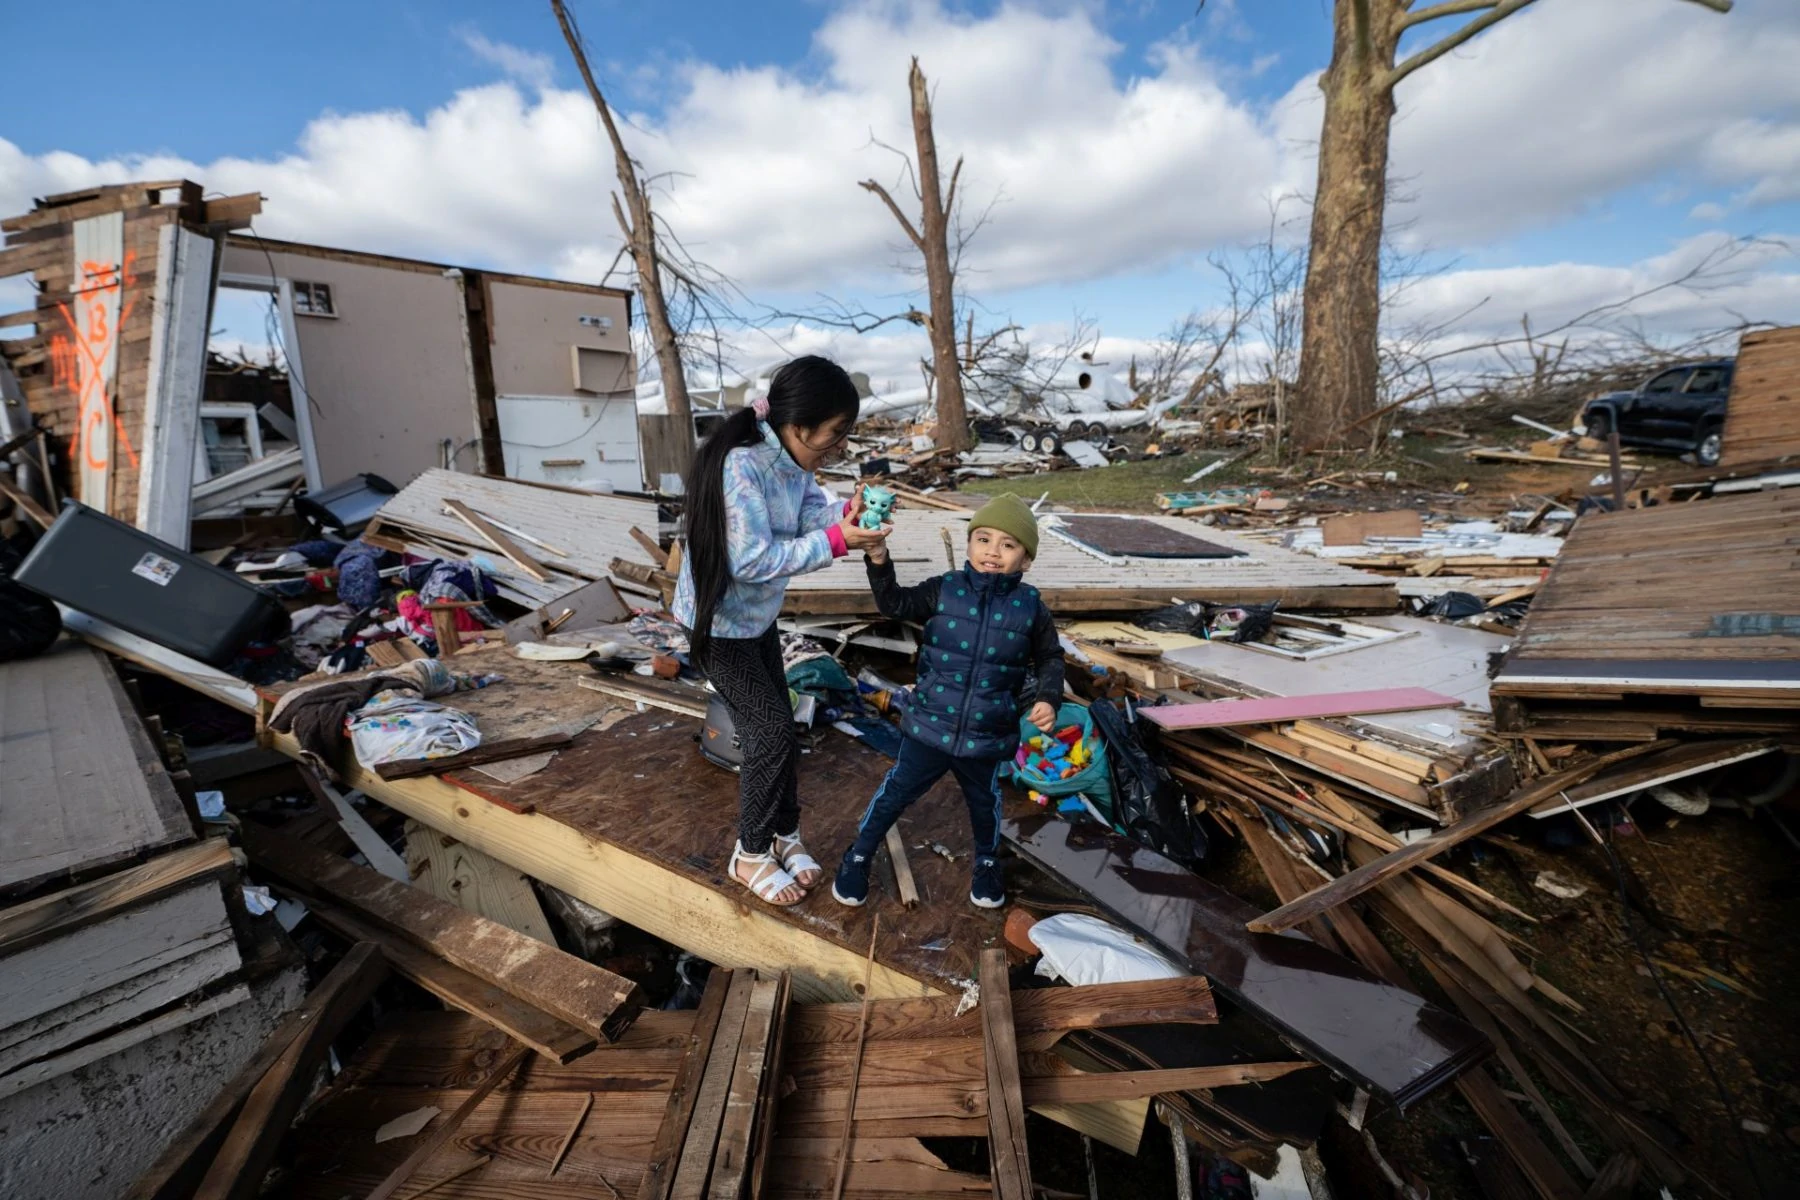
<point x="1682" y="408"/>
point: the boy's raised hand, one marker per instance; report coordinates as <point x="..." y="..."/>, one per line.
<point x="1043" y="716"/>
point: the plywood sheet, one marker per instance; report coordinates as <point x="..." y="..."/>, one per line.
<point x="1762" y="415"/>
<point x="82" y="785"/>
<point x="1137" y="537"/>
<point x="1074" y="580"/>
<point x="1706" y="582"/>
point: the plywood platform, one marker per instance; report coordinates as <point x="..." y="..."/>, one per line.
<point x="632" y="820"/>
<point x="1074" y="580"/>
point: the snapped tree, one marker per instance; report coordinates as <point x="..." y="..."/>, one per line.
<point x="638" y="225"/>
<point x="1340" y="346"/>
<point x="931" y="237"/>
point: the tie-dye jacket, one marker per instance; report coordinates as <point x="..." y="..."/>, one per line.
<point x="779" y="522"/>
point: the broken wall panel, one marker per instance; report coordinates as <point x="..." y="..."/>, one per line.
<point x="101" y="317"/>
<point x="1383" y="1037"/>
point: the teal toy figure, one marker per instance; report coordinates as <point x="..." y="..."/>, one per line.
<point x="878" y="503"/>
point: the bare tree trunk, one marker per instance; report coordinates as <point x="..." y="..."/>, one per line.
<point x="934" y="230"/>
<point x="1340" y="343"/>
<point x="639" y="230"/>
<point x="932" y="239"/>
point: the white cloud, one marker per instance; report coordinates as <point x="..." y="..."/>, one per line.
<point x="1106" y="166"/>
<point x="528" y="67"/>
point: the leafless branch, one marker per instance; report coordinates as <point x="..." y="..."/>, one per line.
<point x="873" y="188"/>
<point x="1496" y="14"/>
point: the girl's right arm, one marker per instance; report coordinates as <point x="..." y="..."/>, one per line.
<point x="756" y="555"/>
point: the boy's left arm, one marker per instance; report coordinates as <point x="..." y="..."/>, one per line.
<point x="1046" y="660"/>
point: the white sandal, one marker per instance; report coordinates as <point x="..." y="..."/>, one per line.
<point x="795" y="859"/>
<point x="768" y="880"/>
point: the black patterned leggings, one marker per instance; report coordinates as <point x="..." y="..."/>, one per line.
<point x="747" y="674"/>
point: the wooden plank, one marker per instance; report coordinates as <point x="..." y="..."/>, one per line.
<point x="1355" y="882"/>
<point x="1275" y="709"/>
<point x="271" y="1105"/>
<point x="1186" y="1000"/>
<point x="702" y="1136"/>
<point x="1135" y="1085"/>
<point x="672" y="1132"/>
<point x="567" y="987"/>
<point x="449" y="1125"/>
<point x="731" y="1157"/>
<point x="1351" y="529"/>
<point x="487" y="752"/>
<point x="774" y="1074"/>
<point x="903" y="876"/>
<point x="474" y="882"/>
<point x="498" y="540"/>
<point x="658" y="556"/>
<point x="34" y="921"/>
<point x="552" y="1037"/>
<point x="862" y="1029"/>
<point x="1009" y="1159"/>
<point x="362" y="835"/>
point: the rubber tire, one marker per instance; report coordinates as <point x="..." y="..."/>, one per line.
<point x="1029" y="443"/>
<point x="1600" y="426"/>
<point x="1050" y="443"/>
<point x="1712" y="438"/>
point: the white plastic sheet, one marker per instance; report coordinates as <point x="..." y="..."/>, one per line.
<point x="1083" y="950"/>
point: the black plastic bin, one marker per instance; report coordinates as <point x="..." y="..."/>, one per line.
<point x="107" y="569"/>
<point x="344" y="508"/>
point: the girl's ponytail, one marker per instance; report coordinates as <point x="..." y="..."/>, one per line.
<point x="807" y="392"/>
<point x="707" y="554"/>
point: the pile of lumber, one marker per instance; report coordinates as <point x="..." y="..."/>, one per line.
<point x="1455" y="928"/>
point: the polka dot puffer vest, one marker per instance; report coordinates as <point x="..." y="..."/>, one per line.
<point x="975" y="660"/>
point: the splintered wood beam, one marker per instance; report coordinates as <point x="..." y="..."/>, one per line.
<point x="1008" y="1157"/>
<point x="903" y="876"/>
<point x="34" y="921"/>
<point x="450" y="1124"/>
<point x="550" y="1036"/>
<point x="237" y="1173"/>
<point x="737" y="1128"/>
<point x="1360" y="880"/>
<point x="1092" y="1086"/>
<point x="862" y="1029"/>
<point x="498" y="540"/>
<point x="587" y="996"/>
<point x="487" y="752"/>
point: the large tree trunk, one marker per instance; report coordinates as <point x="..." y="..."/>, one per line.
<point x="1340" y="346"/>
<point x="934" y="233"/>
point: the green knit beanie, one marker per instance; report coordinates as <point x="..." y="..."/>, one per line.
<point x="1009" y="514"/>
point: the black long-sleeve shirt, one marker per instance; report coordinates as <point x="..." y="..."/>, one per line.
<point x="919" y="603"/>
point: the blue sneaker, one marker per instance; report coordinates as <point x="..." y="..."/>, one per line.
<point x="851" y="886"/>
<point x="989" y="888"/>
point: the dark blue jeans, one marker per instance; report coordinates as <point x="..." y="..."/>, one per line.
<point x="917" y="767"/>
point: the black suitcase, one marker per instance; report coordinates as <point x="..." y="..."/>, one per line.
<point x="107" y="569"/>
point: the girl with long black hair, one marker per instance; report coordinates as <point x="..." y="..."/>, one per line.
<point x="756" y="517"/>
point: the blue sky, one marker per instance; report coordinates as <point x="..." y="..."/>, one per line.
<point x="1562" y="156"/>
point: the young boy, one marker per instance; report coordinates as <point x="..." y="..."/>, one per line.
<point x="990" y="652"/>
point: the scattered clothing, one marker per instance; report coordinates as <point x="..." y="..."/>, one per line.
<point x="397" y="725"/>
<point x="315" y="715"/>
<point x="359" y="574"/>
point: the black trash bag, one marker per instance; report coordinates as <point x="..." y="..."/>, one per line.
<point x="1453" y="606"/>
<point x="1192" y="618"/>
<point x="29" y="621"/>
<point x="1147" y="802"/>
